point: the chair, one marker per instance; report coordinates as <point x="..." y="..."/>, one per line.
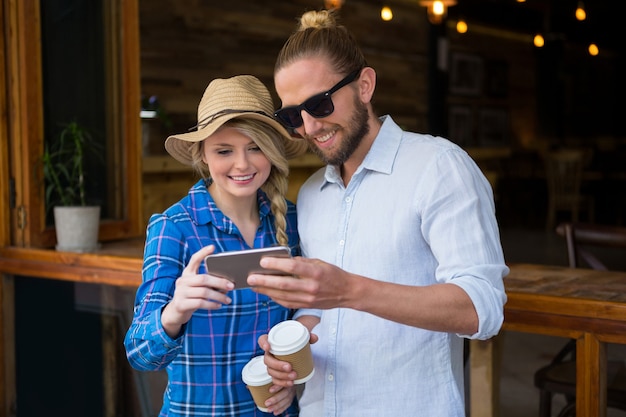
<point x="564" y="169"/>
<point x="559" y="377"/>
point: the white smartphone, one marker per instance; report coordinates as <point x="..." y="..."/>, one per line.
<point x="237" y="265"/>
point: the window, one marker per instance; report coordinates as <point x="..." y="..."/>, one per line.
<point x="81" y="62"/>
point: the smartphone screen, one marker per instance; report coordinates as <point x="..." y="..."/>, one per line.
<point x="237" y="265"/>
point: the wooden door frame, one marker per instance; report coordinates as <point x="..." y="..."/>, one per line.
<point x="22" y="211"/>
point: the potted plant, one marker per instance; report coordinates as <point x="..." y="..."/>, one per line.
<point x="76" y="222"/>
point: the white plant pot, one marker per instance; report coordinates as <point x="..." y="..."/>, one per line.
<point x="77" y="228"/>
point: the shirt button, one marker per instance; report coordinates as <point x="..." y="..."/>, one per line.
<point x="333" y="330"/>
<point x="331" y="377"/>
<point x="348" y="199"/>
<point x="342" y="242"/>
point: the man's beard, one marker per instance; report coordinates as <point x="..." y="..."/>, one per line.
<point x="354" y="134"/>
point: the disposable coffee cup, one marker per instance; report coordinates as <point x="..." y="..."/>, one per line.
<point x="289" y="341"/>
<point x="255" y="376"/>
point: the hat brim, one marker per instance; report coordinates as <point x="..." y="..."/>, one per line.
<point x="178" y="145"/>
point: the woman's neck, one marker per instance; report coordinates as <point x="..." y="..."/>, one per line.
<point x="243" y="211"/>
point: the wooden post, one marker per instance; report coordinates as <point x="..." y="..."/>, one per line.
<point x="485" y="376"/>
<point x="591" y="358"/>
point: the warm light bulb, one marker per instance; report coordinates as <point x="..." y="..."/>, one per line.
<point x="333" y="4"/>
<point x="461" y="26"/>
<point x="521" y="1"/>
<point x="580" y="12"/>
<point x="439" y="8"/>
<point x="538" y="41"/>
<point x="593" y="49"/>
<point x="386" y="14"/>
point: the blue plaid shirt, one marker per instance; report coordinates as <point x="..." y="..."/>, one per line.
<point x="204" y="364"/>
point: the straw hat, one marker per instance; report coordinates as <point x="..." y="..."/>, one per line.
<point x="242" y="96"/>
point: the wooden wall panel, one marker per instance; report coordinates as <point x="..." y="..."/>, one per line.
<point x="187" y="43"/>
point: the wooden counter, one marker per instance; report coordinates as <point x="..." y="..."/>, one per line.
<point x="117" y="264"/>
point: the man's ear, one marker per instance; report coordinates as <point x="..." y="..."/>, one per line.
<point x="367" y="84"/>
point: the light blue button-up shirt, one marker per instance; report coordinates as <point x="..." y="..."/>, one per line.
<point x="418" y="211"/>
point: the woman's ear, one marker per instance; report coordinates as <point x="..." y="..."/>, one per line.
<point x="202" y="155"/>
<point x="367" y="84"/>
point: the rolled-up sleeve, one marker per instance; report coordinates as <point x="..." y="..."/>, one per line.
<point x="461" y="227"/>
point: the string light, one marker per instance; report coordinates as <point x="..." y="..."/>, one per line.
<point x="386" y="14"/>
<point x="461" y="26"/>
<point x="437" y="11"/>
<point x="580" y="11"/>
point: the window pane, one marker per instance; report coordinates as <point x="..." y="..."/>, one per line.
<point x="74" y="82"/>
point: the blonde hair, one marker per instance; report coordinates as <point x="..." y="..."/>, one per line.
<point x="319" y="35"/>
<point x="271" y="144"/>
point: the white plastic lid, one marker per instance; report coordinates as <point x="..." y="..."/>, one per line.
<point x="287" y="337"/>
<point x="255" y="372"/>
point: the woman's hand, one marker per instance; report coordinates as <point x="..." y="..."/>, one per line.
<point x="194" y="291"/>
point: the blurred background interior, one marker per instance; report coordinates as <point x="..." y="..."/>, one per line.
<point x="533" y="90"/>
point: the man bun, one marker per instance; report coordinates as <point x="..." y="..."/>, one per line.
<point x="317" y="20"/>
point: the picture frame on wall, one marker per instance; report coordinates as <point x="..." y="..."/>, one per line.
<point x="497" y="78"/>
<point x="493" y="127"/>
<point x="466" y="74"/>
<point x="461" y="125"/>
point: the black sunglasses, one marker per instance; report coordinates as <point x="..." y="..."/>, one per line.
<point x="320" y="105"/>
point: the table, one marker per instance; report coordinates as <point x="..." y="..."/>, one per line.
<point x="583" y="304"/>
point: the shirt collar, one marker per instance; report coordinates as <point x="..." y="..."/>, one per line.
<point x="203" y="210"/>
<point x="381" y="155"/>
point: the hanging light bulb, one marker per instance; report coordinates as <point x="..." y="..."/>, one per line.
<point x="386" y="14"/>
<point x="461" y="26"/>
<point x="593" y="49"/>
<point x="538" y="40"/>
<point x="333" y="4"/>
<point x="437" y="9"/>
<point x="580" y="11"/>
